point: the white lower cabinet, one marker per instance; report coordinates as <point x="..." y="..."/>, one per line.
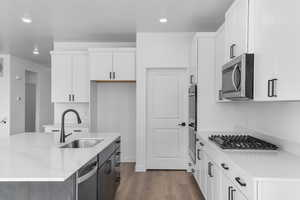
<point x="213" y="180"/>
<point x="219" y="178"/>
<point x="229" y="191"/>
<point x="201" y="176"/>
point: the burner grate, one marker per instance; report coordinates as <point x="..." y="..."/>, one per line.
<point x="242" y="142"/>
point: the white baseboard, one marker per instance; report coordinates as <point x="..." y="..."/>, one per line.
<point x="128" y="159"/>
<point x="140" y="168"/>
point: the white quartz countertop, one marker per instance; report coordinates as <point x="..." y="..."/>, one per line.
<point x="36" y="157"/>
<point x="261" y="165"/>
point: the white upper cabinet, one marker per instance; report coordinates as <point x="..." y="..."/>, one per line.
<point x="61" y="79"/>
<point x="220" y="60"/>
<point x="70" y="81"/>
<point x="268" y="29"/>
<point x="124" y="65"/>
<point x="275" y="38"/>
<point x="80" y="88"/>
<point x="108" y="64"/>
<point x="236" y="28"/>
<point x="101" y="64"/>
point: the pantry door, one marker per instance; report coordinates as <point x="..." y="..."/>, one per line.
<point x="167" y="103"/>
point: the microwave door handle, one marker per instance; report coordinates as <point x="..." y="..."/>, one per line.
<point x="232" y="77"/>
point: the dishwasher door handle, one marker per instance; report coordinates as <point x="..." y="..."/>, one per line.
<point x="87" y="175"/>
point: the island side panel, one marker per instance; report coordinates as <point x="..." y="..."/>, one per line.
<point x="39" y="190"/>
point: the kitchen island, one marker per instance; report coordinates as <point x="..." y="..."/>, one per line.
<point x="34" y="166"/>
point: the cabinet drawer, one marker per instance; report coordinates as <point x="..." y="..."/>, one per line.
<point x="239" y="179"/>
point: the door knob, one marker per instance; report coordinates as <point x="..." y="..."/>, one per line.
<point x="182" y="124"/>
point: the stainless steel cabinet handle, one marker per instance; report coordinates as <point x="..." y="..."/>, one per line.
<point x="229" y="192"/>
<point x="198" y="154"/>
<point x="55" y="130"/>
<point x="274" y="87"/>
<point x="114" y="75"/>
<point x="232" y="51"/>
<point x="269" y="88"/>
<point x="232" y="194"/>
<point x="69" y="97"/>
<point x="238" y="179"/>
<point x="224" y="166"/>
<point x="77" y="130"/>
<point x="73" y="97"/>
<point x="209" y="169"/>
<point x="110" y="76"/>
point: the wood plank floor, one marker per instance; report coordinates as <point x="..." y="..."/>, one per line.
<point x="156" y="185"/>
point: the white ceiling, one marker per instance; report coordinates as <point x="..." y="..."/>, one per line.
<point x="99" y="20"/>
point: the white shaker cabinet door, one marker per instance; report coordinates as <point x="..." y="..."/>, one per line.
<point x="61" y="77"/>
<point x="124" y="65"/>
<point x="236" y="26"/>
<point x="213" y="181"/>
<point x="80" y="78"/>
<point x="202" y="173"/>
<point x="101" y="65"/>
<point x="229" y="191"/>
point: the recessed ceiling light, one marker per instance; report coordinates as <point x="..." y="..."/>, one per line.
<point x="27" y="19"/>
<point x="36" y="51"/>
<point x="163" y="20"/>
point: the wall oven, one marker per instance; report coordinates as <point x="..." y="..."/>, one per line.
<point x="192" y="121"/>
<point x="237" y="78"/>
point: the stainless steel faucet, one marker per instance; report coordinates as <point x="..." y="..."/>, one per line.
<point x="63" y="136"/>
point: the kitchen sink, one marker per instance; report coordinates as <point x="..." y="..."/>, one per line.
<point x="82" y="143"/>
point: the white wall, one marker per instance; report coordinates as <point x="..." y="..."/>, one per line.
<point x="277" y="119"/>
<point x="4" y="97"/>
<point x="81" y="108"/>
<point x="213" y="115"/>
<point x="17" y="94"/>
<point x="155" y="50"/>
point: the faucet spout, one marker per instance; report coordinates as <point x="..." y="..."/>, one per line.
<point x="63" y="136"/>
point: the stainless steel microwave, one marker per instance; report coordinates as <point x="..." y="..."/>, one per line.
<point x="237" y="78"/>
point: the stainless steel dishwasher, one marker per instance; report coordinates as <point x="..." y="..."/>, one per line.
<point x="86" y="184"/>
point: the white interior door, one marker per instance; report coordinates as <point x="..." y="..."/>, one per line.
<point x="167" y="91"/>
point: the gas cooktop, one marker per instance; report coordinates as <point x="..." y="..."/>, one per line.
<point x="241" y="142"/>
